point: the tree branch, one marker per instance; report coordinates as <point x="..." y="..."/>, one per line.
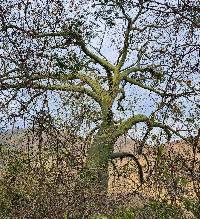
<point x="11" y="26"/>
<point x="123" y="54"/>
<point x="137" y="83"/>
<point x="168" y="130"/>
<point x="161" y="93"/>
<point x="60" y="77"/>
<point x="80" y="42"/>
<point x="41" y="35"/>
<point x="36" y="86"/>
<point x="124" y="126"/>
<point x="104" y="63"/>
<point x="96" y="87"/>
<point x="125" y="73"/>
<point x="122" y="155"/>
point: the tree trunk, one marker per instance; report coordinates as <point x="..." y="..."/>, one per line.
<point x="97" y="166"/>
<point x="99" y="154"/>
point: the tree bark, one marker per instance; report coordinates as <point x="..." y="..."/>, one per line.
<point x="97" y="175"/>
<point x="98" y="158"/>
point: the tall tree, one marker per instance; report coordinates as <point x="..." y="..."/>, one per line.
<point x="136" y="62"/>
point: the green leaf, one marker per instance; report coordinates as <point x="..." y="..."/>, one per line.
<point x="183" y="181"/>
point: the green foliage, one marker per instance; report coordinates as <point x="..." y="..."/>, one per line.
<point x="183" y="181"/>
<point x="163" y="210"/>
<point x="192" y="205"/>
<point x="99" y="217"/>
<point x="152" y="210"/>
<point x="128" y="214"/>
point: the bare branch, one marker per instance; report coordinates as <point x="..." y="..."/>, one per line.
<point x="41" y="35"/>
<point x="135" y="82"/>
<point x="36" y="86"/>
<point x="79" y="42"/>
<point x="161" y="93"/>
<point x="104" y="63"/>
<point x="168" y="130"/>
<point x="122" y="155"/>
<point x="123" y="54"/>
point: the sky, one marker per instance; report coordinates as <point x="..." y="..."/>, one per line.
<point x="146" y="102"/>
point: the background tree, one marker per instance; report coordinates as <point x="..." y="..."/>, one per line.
<point x="136" y="63"/>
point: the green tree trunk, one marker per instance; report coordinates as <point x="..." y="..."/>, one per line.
<point x="97" y="169"/>
<point x="98" y="157"/>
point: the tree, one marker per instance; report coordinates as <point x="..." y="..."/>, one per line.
<point x="114" y="53"/>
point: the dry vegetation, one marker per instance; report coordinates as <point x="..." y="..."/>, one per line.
<point x="46" y="179"/>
